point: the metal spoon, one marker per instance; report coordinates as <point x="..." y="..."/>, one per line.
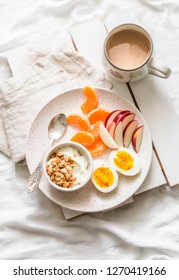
<point x="56" y="129"/>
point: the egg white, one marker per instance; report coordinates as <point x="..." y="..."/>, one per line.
<point x="102" y="163"/>
<point x="131" y="172"/>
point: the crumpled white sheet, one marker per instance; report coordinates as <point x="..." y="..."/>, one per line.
<point x="33" y="227"/>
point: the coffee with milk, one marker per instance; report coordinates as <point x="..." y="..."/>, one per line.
<point x="128" y="49"/>
<point x="128" y="54"/>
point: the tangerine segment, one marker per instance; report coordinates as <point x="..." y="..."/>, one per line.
<point x="79" y="121"/>
<point x="91" y="100"/>
<point x="98" y="114"/>
<point x="96" y="148"/>
<point x="94" y="129"/>
<point x="83" y="137"/>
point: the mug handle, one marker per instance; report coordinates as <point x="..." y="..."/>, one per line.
<point x="159" y="70"/>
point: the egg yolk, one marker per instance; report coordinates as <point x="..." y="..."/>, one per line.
<point x="103" y="177"/>
<point x="123" y="160"/>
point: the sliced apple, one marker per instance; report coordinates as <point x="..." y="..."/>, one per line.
<point x="118" y="134"/>
<point x="111" y="126"/>
<point x="128" y="132"/>
<point x="106" y="137"/>
<point x="111" y="117"/>
<point x="120" y="115"/>
<point x="127" y="118"/>
<point x="137" y="138"/>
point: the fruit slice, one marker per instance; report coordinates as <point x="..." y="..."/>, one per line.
<point x="94" y="130"/>
<point x="98" y="114"/>
<point x="120" y="126"/>
<point x="106" y="137"/>
<point x="127" y="118"/>
<point x="111" y="117"/>
<point x="91" y="100"/>
<point x="120" y="115"/>
<point x="83" y="137"/>
<point x="97" y="148"/>
<point x="118" y="134"/>
<point x="137" y="138"/>
<point x="111" y="128"/>
<point x="79" y="121"/>
<point x="112" y="125"/>
<point x="128" y="132"/>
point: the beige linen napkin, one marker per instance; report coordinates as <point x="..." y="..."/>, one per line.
<point x="22" y="96"/>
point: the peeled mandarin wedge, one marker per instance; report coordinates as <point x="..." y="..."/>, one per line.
<point x="94" y="130"/>
<point x="96" y="148"/>
<point x="91" y="100"/>
<point x="98" y="114"/>
<point x="83" y="137"/>
<point x="79" y="121"/>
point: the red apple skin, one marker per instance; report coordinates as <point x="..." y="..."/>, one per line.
<point x="111" y="126"/>
<point x="119" y="118"/>
<point x="111" y="117"/>
<point x="137" y="138"/>
<point x="120" y="115"/>
<point x="128" y="132"/>
<point x="125" y="119"/>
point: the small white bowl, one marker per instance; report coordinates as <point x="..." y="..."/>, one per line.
<point x="82" y="151"/>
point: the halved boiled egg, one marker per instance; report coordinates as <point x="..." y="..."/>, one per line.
<point x="104" y="178"/>
<point x="125" y="161"/>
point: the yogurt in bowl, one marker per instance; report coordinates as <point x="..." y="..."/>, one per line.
<point x="68" y="166"/>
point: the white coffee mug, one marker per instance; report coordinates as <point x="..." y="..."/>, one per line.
<point x="129" y="54"/>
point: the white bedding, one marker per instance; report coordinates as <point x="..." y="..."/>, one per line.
<point x="33" y="227"/>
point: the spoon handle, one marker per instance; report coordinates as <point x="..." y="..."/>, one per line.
<point x="34" y="179"/>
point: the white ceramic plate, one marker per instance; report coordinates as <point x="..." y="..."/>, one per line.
<point x="87" y="199"/>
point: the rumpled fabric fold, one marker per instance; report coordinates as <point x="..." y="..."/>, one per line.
<point x="25" y="94"/>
